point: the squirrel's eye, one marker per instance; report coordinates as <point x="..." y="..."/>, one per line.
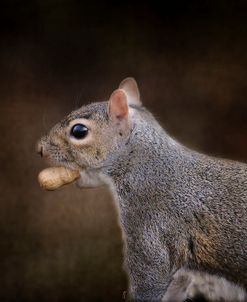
<point x="79" y="131"/>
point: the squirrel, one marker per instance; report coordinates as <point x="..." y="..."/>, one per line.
<point x="180" y="210"/>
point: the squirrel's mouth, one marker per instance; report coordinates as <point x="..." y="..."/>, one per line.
<point x="61" y="162"/>
<point x="53" y="156"/>
<point x="57" y="159"/>
<point x="67" y="164"/>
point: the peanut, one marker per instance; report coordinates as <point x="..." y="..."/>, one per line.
<point x="55" y="177"/>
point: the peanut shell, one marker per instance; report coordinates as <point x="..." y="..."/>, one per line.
<point x="55" y="177"/>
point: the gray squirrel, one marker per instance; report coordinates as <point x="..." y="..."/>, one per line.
<point x="183" y="214"/>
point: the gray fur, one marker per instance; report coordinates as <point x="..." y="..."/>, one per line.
<point x="169" y="196"/>
<point x="178" y="208"/>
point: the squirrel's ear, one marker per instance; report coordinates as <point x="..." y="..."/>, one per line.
<point x="129" y="85"/>
<point x="118" y="105"/>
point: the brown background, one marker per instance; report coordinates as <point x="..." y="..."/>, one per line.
<point x="191" y="64"/>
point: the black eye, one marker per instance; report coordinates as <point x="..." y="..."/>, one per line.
<point x="79" y="131"/>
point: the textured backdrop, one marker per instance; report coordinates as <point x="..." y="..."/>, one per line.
<point x="191" y="64"/>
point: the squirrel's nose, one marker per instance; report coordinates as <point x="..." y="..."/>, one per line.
<point x="40" y="150"/>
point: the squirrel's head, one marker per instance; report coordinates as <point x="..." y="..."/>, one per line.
<point x="90" y="135"/>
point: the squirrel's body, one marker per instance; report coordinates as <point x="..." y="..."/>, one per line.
<point x="178" y="208"/>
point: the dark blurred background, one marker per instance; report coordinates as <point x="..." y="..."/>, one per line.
<point x="190" y="59"/>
